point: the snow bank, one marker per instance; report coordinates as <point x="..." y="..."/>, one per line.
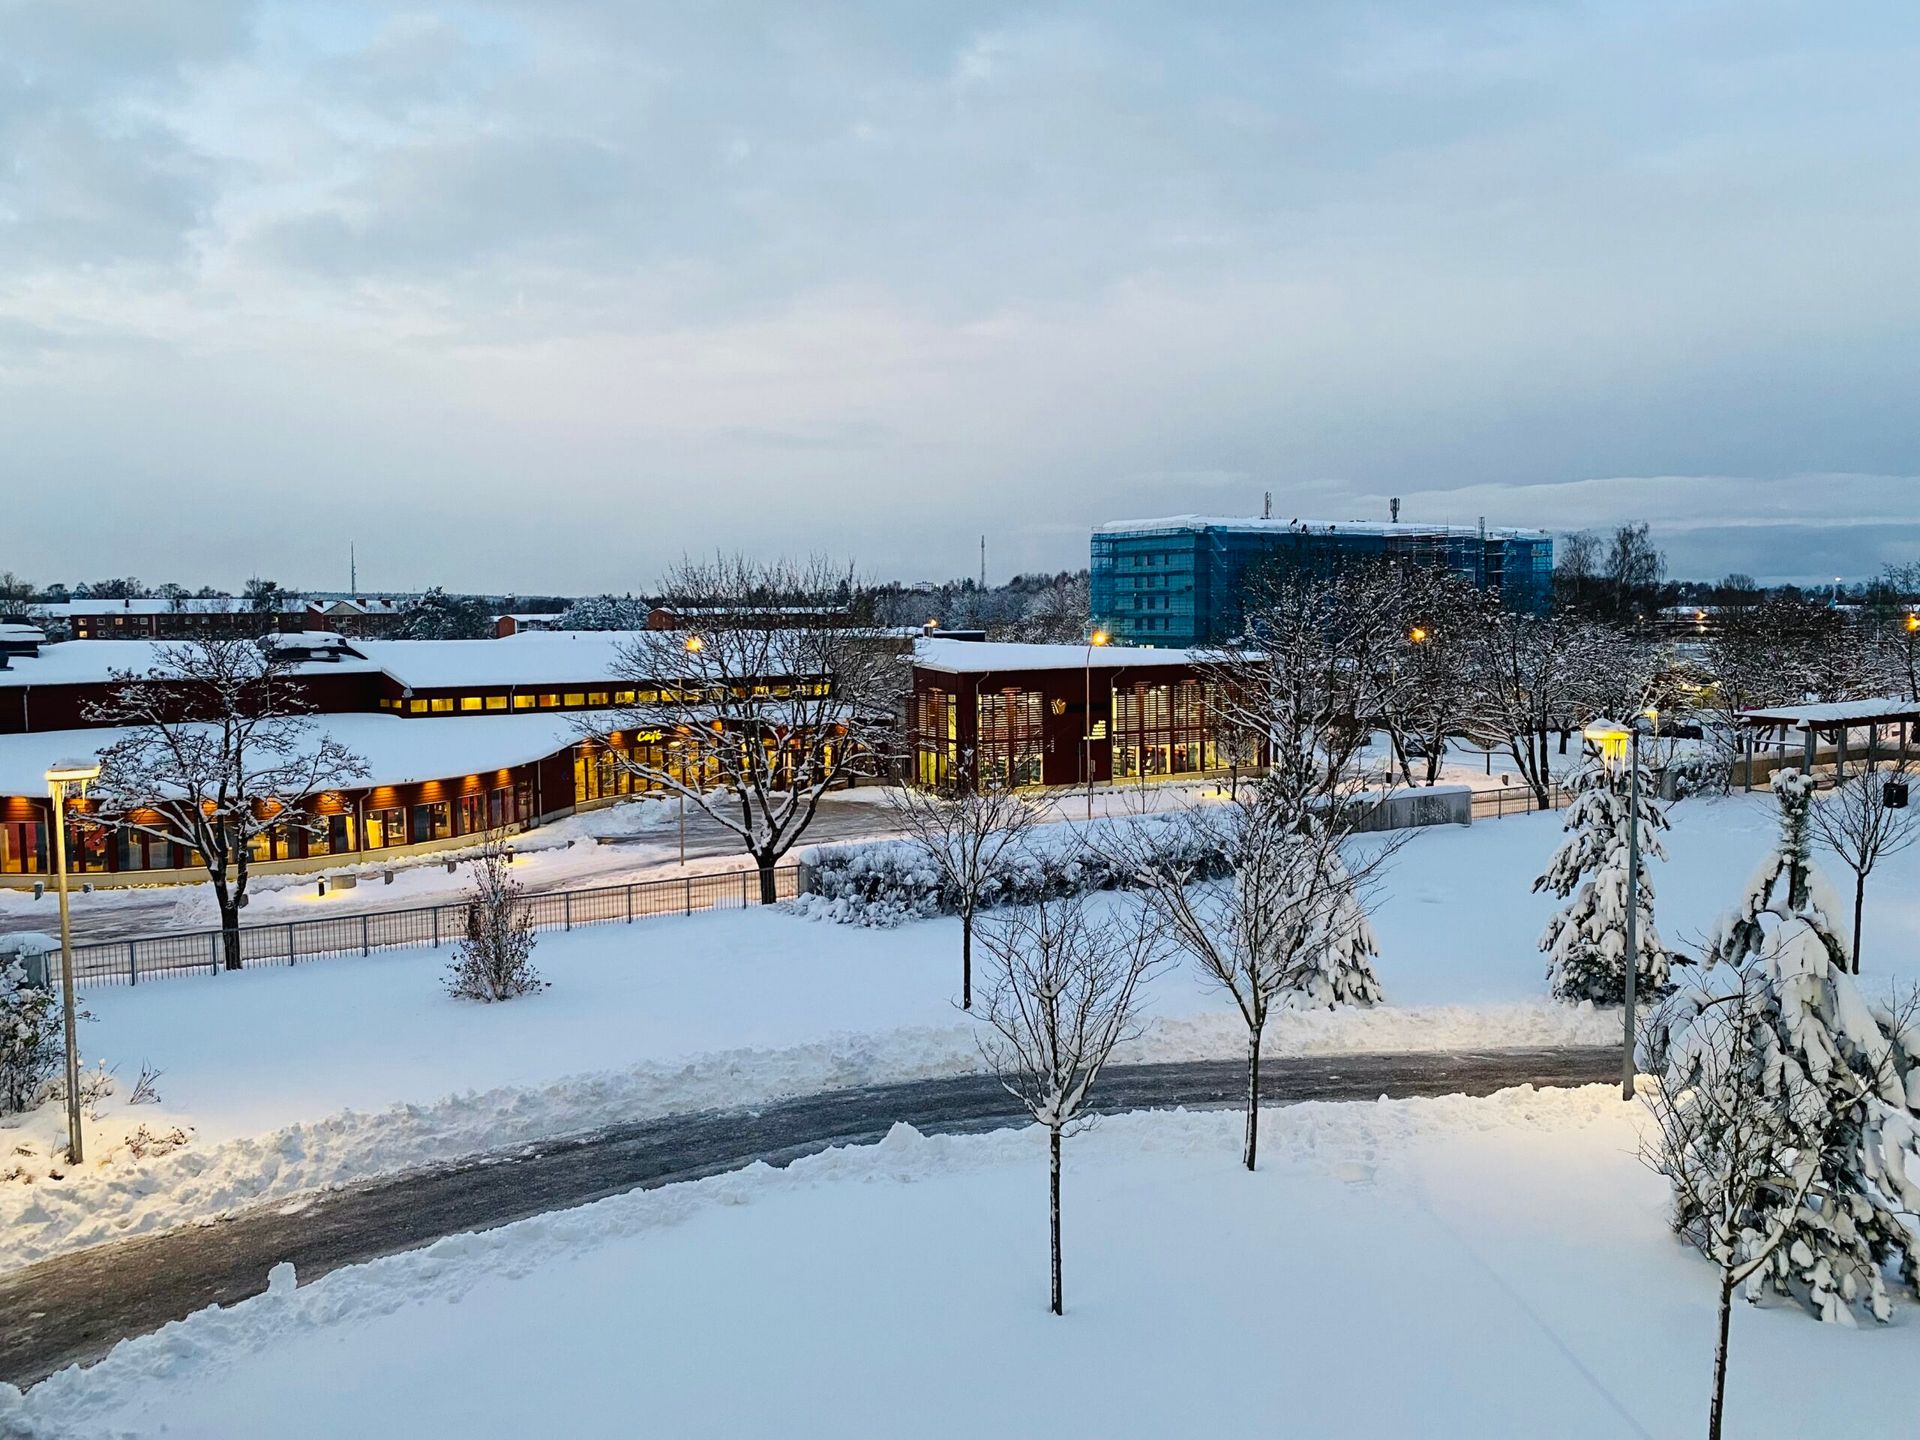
<point x="120" y="1195"/>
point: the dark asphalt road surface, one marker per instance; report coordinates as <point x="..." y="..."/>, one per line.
<point x="75" y="1307"/>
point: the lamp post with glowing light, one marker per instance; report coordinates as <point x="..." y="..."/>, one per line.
<point x="694" y="646"/>
<point x="1099" y="637"/>
<point x="77" y="773"/>
<point x="1615" y="741"/>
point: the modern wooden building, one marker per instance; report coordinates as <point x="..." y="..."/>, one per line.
<point x="1066" y="715"/>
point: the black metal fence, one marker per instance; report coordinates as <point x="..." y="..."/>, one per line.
<point x="1517" y="800"/>
<point x="200" y="952"/>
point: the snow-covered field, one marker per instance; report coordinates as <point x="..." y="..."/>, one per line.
<point x="1492" y="1267"/>
<point x="340" y="1069"/>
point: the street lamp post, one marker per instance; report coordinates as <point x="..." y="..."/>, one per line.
<point x="1615" y="741"/>
<point x="63" y="774"/>
<point x="1099" y="637"/>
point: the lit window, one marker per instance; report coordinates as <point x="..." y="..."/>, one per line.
<point x="548" y="701"/>
<point x="596" y="697"/>
<point x="416" y="707"/>
<point x="623" y="697"/>
<point x="575" y="698"/>
<point x="469" y="702"/>
<point x="441" y="705"/>
<point x="496" y="702"/>
<point x="523" y="702"/>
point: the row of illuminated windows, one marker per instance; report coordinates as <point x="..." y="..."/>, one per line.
<point x="94" y="848"/>
<point x="583" y="699"/>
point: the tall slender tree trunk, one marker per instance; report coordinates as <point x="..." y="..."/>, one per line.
<point x="1714" y="1415"/>
<point x="1859" y="900"/>
<point x="1053" y="1211"/>
<point x="1252" y="1148"/>
<point x="966" y="958"/>
<point x="769" y="887"/>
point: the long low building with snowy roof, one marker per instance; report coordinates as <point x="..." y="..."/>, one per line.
<point x="459" y="738"/>
<point x="1180" y="580"/>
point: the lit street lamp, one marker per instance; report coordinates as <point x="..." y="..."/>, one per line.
<point x="66" y="773"/>
<point x="1615" y="741"/>
<point x="1099" y="637"/>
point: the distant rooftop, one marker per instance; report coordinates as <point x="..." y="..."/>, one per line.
<point x="1313" y="527"/>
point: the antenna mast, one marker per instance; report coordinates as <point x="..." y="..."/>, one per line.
<point x="983" y="562"/>
<point x="353" y="569"/>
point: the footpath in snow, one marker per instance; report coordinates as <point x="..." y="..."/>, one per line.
<point x="1495" y="1267"/>
<point x="286" y="1080"/>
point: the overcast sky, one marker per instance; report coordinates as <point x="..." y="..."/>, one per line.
<point x="539" y="295"/>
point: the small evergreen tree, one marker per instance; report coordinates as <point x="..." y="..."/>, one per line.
<point x="1586" y="942"/>
<point x="1817" y="1035"/>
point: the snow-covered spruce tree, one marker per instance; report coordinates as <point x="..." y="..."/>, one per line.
<point x="1059" y="995"/>
<point x="1861" y="1062"/>
<point x="1736" y="1134"/>
<point x="494" y="961"/>
<point x="1586" y="942"/>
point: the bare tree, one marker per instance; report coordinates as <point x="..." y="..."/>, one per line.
<point x="1857" y="824"/>
<point x="495" y="959"/>
<point x="1633" y="567"/>
<point x="1531" y="670"/>
<point x="1443" y="613"/>
<point x="1060" y="996"/>
<point x="780" y="687"/>
<point x="1576" y="568"/>
<point x="1321" y="668"/>
<point x="1737" y="1136"/>
<point x="220" y="750"/>
<point x="967" y="831"/>
<point x="1288" y="927"/>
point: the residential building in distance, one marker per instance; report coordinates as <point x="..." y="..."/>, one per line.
<point x="1180" y="581"/>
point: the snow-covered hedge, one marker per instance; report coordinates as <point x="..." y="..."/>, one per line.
<point x="884" y="883"/>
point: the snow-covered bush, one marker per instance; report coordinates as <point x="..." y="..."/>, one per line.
<point x="32" y="1045"/>
<point x="888" y="882"/>
<point x="495" y="959"/>
<point x="1586" y="941"/>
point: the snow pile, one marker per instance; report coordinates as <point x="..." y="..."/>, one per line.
<point x="121" y="1195"/>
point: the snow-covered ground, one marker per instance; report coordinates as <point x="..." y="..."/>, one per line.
<point x="338" y="1069"/>
<point x="1451" y="1267"/>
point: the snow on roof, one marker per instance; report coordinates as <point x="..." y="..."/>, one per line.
<point x="975" y="657"/>
<point x="531" y="657"/>
<point x="397" y="751"/>
<point x="1839" y="712"/>
<point x="1343" y="527"/>
<point x="161" y="605"/>
<point x="82" y="662"/>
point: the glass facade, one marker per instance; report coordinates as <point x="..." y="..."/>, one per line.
<point x="1162" y="730"/>
<point x="1011" y="736"/>
<point x="1182" y="584"/>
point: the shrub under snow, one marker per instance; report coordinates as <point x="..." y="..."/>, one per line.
<point x="888" y="882"/>
<point x="32" y="1046"/>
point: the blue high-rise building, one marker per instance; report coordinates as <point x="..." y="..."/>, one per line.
<point x="1179" y="581"/>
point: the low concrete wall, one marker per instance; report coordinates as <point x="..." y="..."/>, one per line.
<point x="1415" y="807"/>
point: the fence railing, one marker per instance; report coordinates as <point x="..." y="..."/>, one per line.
<point x="290" y="942"/>
<point x="1517" y="800"/>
